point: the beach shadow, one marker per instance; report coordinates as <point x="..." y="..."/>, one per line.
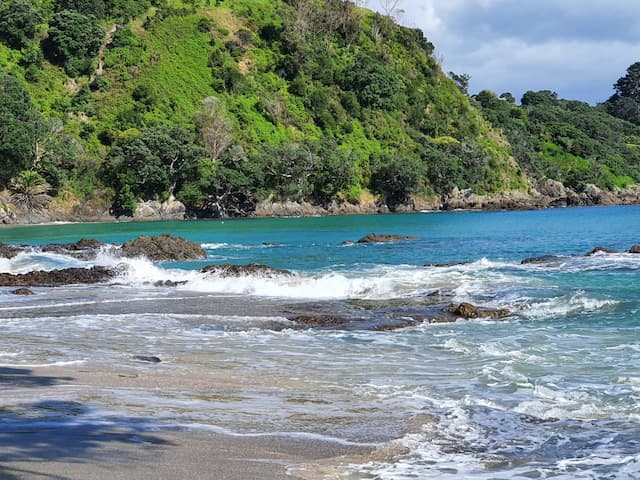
<point x="62" y="430"/>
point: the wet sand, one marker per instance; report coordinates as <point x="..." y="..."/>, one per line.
<point x="85" y="450"/>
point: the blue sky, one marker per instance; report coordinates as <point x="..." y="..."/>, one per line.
<point x="577" y="48"/>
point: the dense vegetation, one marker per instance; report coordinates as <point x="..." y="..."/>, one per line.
<point x="224" y="103"/>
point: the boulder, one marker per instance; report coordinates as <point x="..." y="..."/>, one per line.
<point x="635" y="249"/>
<point x="468" y="311"/>
<point x="376" y="238"/>
<point x="54" y="278"/>
<point x="257" y="269"/>
<point x="163" y="248"/>
<point x="147" y="358"/>
<point x="599" y="249"/>
<point x="9" y="251"/>
<point x="22" y="292"/>
<point x="85" y="248"/>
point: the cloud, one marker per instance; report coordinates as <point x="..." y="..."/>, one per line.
<point x="577" y="48"/>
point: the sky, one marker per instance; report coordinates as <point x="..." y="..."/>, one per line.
<point x="577" y="48"/>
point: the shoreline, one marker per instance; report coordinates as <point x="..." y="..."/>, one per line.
<point x="82" y="447"/>
<point x="157" y="219"/>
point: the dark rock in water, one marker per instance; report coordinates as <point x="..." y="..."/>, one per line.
<point x="169" y="283"/>
<point x="446" y="265"/>
<point x="22" y="291"/>
<point x="468" y="311"/>
<point x="54" y="278"/>
<point x="319" y="321"/>
<point x="147" y="358"/>
<point x="598" y="250"/>
<point x="9" y="251"/>
<point x="375" y="238"/>
<point x="271" y="244"/>
<point x="635" y="249"/>
<point x="84" y="249"/>
<point x="163" y="248"/>
<point x="227" y="270"/>
<point x="542" y="259"/>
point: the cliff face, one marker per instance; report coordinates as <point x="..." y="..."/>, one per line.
<point x="245" y="106"/>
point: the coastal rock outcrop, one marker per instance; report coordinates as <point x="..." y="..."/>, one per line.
<point x="598" y="250"/>
<point x="163" y="248"/>
<point x="537" y="260"/>
<point x="9" y="251"/>
<point x="635" y="249"/>
<point x="227" y="270"/>
<point x="152" y="210"/>
<point x="469" y="311"/>
<point x="22" y="292"/>
<point x="55" y="278"/>
<point x="381" y="238"/>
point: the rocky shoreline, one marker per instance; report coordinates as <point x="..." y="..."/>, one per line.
<point x="549" y="194"/>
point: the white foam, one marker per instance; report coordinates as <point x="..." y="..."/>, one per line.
<point x="43" y="365"/>
<point x="563" y="305"/>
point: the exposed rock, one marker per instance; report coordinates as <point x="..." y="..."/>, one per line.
<point x="152" y="210"/>
<point x="22" y="291"/>
<point x="596" y="196"/>
<point x="542" y="259"/>
<point x="271" y="244"/>
<point x="54" y="278"/>
<point x="599" y="249"/>
<point x="9" y="251"/>
<point x="375" y="238"/>
<point x="635" y="249"/>
<point x="227" y="270"/>
<point x="163" y="248"/>
<point x="85" y="248"/>
<point x="319" y="321"/>
<point x="147" y="358"/>
<point x="552" y="189"/>
<point x="467" y="310"/>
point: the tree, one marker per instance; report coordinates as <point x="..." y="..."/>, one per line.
<point x="18" y="22"/>
<point x="625" y="103"/>
<point x="21" y="128"/>
<point x="29" y="191"/>
<point x="396" y="178"/>
<point x="461" y="80"/>
<point x="149" y="166"/>
<point x="391" y="8"/>
<point x="74" y="41"/>
<point x="214" y="126"/>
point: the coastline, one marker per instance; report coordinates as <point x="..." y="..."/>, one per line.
<point x="549" y="195"/>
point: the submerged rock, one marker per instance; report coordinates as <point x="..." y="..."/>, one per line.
<point x="447" y="265"/>
<point x="227" y="270"/>
<point x="468" y="311"/>
<point x="599" y="249"/>
<point x="9" y="251"/>
<point x="169" y="283"/>
<point x="22" y="291"/>
<point x="147" y="358"/>
<point x="319" y="321"/>
<point x="163" y="248"/>
<point x="542" y="259"/>
<point x="54" y="278"/>
<point x="635" y="249"/>
<point x="376" y="238"/>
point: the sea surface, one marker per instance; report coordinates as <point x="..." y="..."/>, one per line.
<point x="553" y="391"/>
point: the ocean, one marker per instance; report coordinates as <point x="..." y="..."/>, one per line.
<point x="551" y="391"/>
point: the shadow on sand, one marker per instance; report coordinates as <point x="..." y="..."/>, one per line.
<point x="59" y="430"/>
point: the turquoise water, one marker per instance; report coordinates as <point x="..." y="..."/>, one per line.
<point x="553" y="391"/>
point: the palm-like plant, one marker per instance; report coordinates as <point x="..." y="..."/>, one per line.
<point x="29" y="191"/>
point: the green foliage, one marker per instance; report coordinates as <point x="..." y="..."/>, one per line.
<point x="73" y="42"/>
<point x="18" y="22"/>
<point x="150" y="165"/>
<point x="21" y="128"/>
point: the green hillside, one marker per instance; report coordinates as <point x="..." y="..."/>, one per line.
<point x="224" y="103"/>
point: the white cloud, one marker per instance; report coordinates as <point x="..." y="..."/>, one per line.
<point x="575" y="47"/>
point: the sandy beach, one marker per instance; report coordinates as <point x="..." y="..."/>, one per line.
<point x="87" y="450"/>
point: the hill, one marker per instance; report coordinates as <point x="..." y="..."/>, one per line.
<point x="228" y="105"/>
